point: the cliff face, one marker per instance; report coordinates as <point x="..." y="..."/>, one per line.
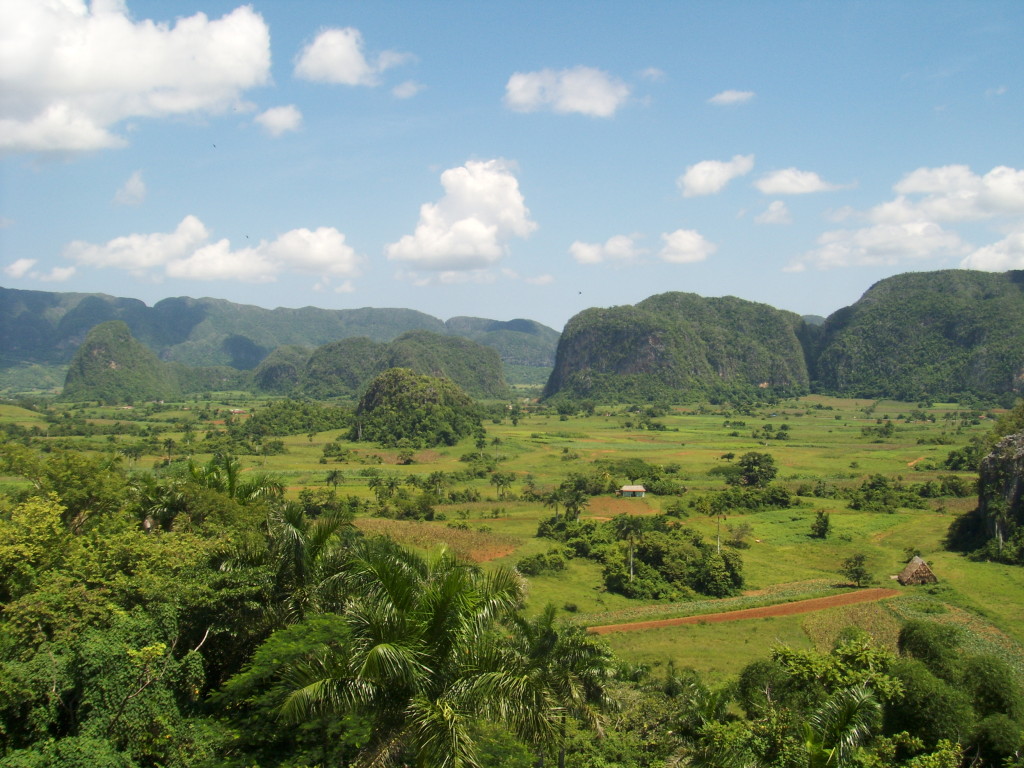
<point x="1001" y="488"/>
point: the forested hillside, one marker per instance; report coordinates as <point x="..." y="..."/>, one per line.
<point x="927" y="334"/>
<point x="40" y="330"/>
<point x="678" y="345"/>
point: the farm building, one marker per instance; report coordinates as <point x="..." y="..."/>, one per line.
<point x="917" y="572"/>
<point x="632" y="490"/>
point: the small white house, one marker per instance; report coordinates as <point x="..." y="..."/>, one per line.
<point x="632" y="490"/>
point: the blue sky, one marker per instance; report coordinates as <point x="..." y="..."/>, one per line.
<point x="503" y="160"/>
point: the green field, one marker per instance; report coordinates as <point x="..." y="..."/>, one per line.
<point x="826" y="442"/>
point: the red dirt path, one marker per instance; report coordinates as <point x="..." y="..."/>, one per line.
<point x="764" y="612"/>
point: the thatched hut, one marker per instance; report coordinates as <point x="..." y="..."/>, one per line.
<point x="916" y="572"/>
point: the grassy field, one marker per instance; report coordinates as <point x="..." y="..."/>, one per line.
<point x="829" y="439"/>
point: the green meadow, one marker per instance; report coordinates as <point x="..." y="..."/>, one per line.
<point x="836" y="442"/>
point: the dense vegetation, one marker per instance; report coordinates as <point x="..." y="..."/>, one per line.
<point x="173" y="606"/>
<point x="931" y="334"/>
<point x="404" y="409"/>
<point x="40" y="331"/>
<point x="677" y="347"/>
<point x="111" y="366"/>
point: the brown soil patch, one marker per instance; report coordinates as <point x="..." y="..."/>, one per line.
<point x="764" y="612"/>
<point x="478" y="546"/>
<point x="610" y="506"/>
<point x="914" y="462"/>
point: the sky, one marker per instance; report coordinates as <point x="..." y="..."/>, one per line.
<point x="507" y="160"/>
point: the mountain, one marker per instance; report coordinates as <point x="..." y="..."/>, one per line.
<point x="519" y="342"/>
<point x="344" y="368"/>
<point x="678" y="346"/>
<point x="39" y="330"/>
<point x="113" y="367"/>
<point x="927" y="334"/>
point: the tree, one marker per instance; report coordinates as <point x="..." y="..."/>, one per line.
<point x="419" y="658"/>
<point x="334" y="477"/>
<point x="223" y="473"/>
<point x="756" y="469"/>
<point x="835" y="730"/>
<point x="502" y="481"/>
<point x="630" y="528"/>
<point x="855" y="569"/>
<point x="821" y="526"/>
<point x="566" y="669"/>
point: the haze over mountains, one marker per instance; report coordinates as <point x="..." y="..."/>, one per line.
<point x="927" y="334"/>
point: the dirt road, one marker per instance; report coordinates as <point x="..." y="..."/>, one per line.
<point x="783" y="609"/>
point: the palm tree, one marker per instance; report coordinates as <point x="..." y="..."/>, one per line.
<point x="630" y="528"/>
<point x="566" y="669"/>
<point x="223" y="473"/>
<point x="420" y="658"/>
<point x="835" y="730"/>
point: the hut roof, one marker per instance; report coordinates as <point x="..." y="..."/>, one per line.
<point x="917" y="572"/>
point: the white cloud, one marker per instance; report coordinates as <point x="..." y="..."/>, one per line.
<point x="685" y="246"/>
<point x="883" y="244"/>
<point x="955" y="193"/>
<point x="653" y="74"/>
<point x="1004" y="255"/>
<point x="5" y="222"/>
<point x="58" y="275"/>
<point x="188" y="253"/>
<point x="69" y="73"/>
<point x="725" y="98"/>
<point x="710" y="176"/>
<point x="336" y="56"/>
<point x="406" y="90"/>
<point x="279" y="120"/>
<point x="218" y="262"/>
<point x="791" y="181"/>
<point x="18" y="269"/>
<point x="138" y="253"/>
<point x="133" y="192"/>
<point x="617" y="248"/>
<point x="469" y="227"/>
<point x="775" y="213"/>
<point x="584" y="90"/>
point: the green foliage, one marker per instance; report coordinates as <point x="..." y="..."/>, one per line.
<point x="426" y="411"/>
<point x="677" y="346"/>
<point x="936" y="333"/>
<point x="113" y="367"/>
<point x="855" y="569"/>
<point x="822" y="525"/>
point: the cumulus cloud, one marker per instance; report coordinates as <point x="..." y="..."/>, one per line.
<point x="336" y="56"/>
<point x="70" y="72"/>
<point x="710" y="176"/>
<point x="24" y="268"/>
<point x="1004" y="255"/>
<point x="188" y="253"/>
<point x="469" y="227"/>
<point x="955" y="193"/>
<point x="19" y="268"/>
<point x="133" y="192"/>
<point x="685" y="246"/>
<point x="279" y="120"/>
<point x="883" y="244"/>
<point x="775" y="213"/>
<point x="617" y="248"/>
<point x="584" y="90"/>
<point x="911" y="225"/>
<point x="725" y="98"/>
<point x="791" y="181"/>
